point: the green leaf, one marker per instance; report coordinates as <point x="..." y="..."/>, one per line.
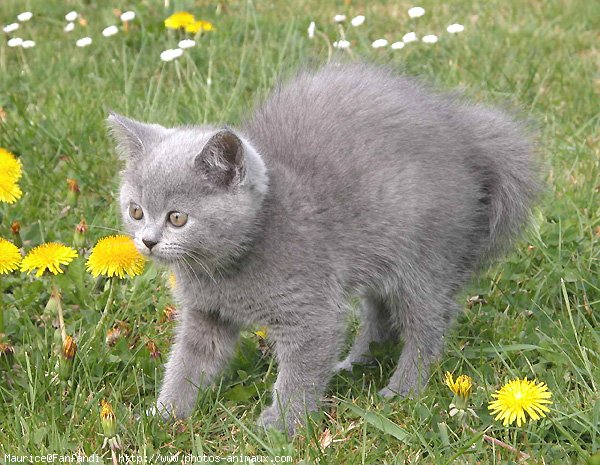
<point x="472" y="352"/>
<point x="240" y="393"/>
<point x="378" y="421"/>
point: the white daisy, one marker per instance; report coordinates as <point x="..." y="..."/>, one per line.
<point x="186" y="43"/>
<point x="430" y="39"/>
<point x="379" y="43"/>
<point x="416" y="12"/>
<point x="409" y="37"/>
<point x="357" y="20"/>
<point x="11" y="27"/>
<point x="311" y="29"/>
<point x="71" y="16"/>
<point x="454" y="28"/>
<point x="339" y="18"/>
<point x="84" y="42"/>
<point x="15" y="42"/>
<point x="28" y="44"/>
<point x="110" y="31"/>
<point x="25" y="16"/>
<point x="69" y="27"/>
<point x="128" y="16"/>
<point x="171" y="54"/>
<point x="397" y="45"/>
<point x="341" y="44"/>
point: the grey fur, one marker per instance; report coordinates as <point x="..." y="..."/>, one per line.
<point x="352" y="180"/>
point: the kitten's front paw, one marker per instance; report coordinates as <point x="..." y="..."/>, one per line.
<point x="169" y="409"/>
<point x="345" y="365"/>
<point x="389" y="392"/>
<point x="271" y="418"/>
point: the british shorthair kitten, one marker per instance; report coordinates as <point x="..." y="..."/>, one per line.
<point x="349" y="180"/>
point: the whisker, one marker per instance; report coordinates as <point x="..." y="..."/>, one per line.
<point x="205" y="268"/>
<point x="120" y="231"/>
<point x="180" y="265"/>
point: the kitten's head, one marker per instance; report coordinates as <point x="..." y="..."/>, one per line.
<point x="188" y="193"/>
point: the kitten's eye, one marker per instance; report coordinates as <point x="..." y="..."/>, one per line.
<point x="135" y="211"/>
<point x="178" y="218"/>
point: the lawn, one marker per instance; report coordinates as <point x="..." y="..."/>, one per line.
<point x="534" y="314"/>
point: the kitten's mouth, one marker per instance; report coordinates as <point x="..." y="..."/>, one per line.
<point x="159" y="257"/>
<point x="155" y="254"/>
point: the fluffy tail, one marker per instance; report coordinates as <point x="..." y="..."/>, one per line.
<point x="511" y="176"/>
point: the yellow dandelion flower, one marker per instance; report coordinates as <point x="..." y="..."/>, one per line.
<point x="10" y="166"/>
<point x="197" y="26"/>
<point x="115" y="256"/>
<point x="518" y="397"/>
<point x="49" y="257"/>
<point x="10" y="191"/>
<point x="179" y="20"/>
<point x="10" y="257"/>
<point x="461" y="387"/>
<point x="10" y="172"/>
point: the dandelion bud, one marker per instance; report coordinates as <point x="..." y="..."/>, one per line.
<point x="53" y="302"/>
<point x="79" y="235"/>
<point x="67" y="357"/>
<point x="153" y="348"/>
<point x="6" y="350"/>
<point x="108" y="419"/>
<point x="15" y="227"/>
<point x="118" y="332"/>
<point x="113" y="335"/>
<point x="69" y="348"/>
<point x="73" y="193"/>
<point x="169" y="313"/>
<point x="172" y="281"/>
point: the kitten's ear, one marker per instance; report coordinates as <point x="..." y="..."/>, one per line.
<point x="131" y="136"/>
<point x="222" y="159"/>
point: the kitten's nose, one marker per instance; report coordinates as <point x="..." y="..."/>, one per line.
<point x="149" y="243"/>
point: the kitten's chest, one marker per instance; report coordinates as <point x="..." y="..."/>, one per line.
<point x="233" y="300"/>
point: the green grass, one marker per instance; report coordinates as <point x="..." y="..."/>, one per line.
<point x="540" y="315"/>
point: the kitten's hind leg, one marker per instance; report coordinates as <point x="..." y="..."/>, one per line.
<point x="424" y="320"/>
<point x="375" y="326"/>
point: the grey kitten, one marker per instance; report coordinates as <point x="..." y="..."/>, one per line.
<point x="346" y="180"/>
